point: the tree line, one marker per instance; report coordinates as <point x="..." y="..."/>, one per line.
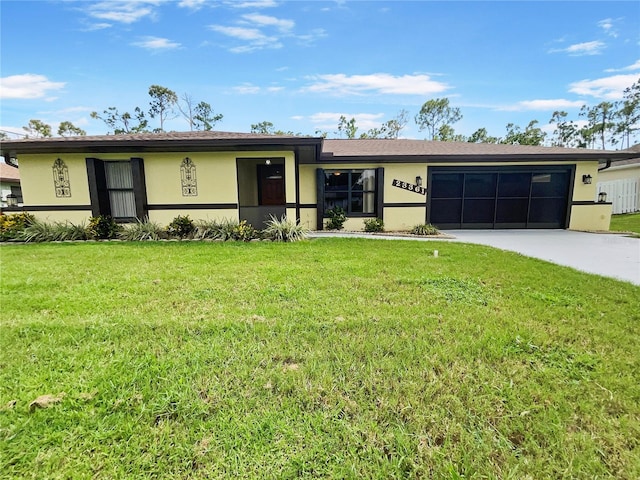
<point x="607" y="123"/>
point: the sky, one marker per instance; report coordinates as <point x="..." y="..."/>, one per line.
<point x="301" y="65"/>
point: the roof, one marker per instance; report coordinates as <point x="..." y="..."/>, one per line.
<point x="9" y="173"/>
<point x="434" y="150"/>
<point x="169" y="141"/>
<point x="315" y="148"/>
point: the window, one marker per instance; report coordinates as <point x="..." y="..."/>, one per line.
<point x="120" y="187"/>
<point x="353" y="190"/>
<point x="17" y="191"/>
<point x="117" y="188"/>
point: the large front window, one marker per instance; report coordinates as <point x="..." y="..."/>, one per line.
<point x="352" y="190"/>
<point x="120" y="187"/>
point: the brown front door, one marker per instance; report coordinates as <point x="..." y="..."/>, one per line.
<point x="271" y="184"/>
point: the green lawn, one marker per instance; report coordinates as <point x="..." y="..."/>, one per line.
<point x="333" y="358"/>
<point x="628" y="222"/>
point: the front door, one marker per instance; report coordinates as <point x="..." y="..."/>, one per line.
<point x="271" y="185"/>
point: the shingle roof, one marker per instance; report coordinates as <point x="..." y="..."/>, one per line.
<point x="402" y="147"/>
<point x="9" y="173"/>
<point x="332" y="149"/>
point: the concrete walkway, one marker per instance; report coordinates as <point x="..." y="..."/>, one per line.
<point x="607" y="254"/>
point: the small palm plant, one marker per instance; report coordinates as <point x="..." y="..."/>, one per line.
<point x="284" y="230"/>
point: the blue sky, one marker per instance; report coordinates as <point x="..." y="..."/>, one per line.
<point x="303" y="64"/>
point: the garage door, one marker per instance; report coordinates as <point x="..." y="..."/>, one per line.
<point x="498" y="197"/>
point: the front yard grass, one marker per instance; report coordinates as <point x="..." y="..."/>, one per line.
<point x="627" y="222"/>
<point x="333" y="358"/>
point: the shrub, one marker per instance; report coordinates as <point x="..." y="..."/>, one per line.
<point x="181" y="227"/>
<point x="11" y="226"/>
<point x="218" y="230"/>
<point x="373" y="225"/>
<point x="142" y="230"/>
<point x="39" y="231"/>
<point x="337" y="217"/>
<point x="244" y="232"/>
<point x="103" y="227"/>
<point x="425" y="229"/>
<point x="284" y="230"/>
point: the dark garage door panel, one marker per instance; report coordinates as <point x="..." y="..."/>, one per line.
<point x="500" y="197"/>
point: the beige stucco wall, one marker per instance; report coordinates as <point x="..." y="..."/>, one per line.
<point x="619" y="173"/>
<point x="36" y="173"/>
<point x="218" y="184"/>
<point x="77" y="217"/>
<point x="595" y="217"/>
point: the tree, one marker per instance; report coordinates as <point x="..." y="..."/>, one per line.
<point x="347" y="127"/>
<point x="67" y="128"/>
<point x="566" y="133"/>
<point x="163" y="101"/>
<point x="200" y="116"/>
<point x="601" y="123"/>
<point x="265" y="128"/>
<point x="532" y="135"/>
<point x="481" y="136"/>
<point x="204" y="117"/>
<point x="37" y="128"/>
<point x="121" y="123"/>
<point x="390" y="129"/>
<point x="628" y="114"/>
<point x="434" y="114"/>
<point x="446" y="133"/>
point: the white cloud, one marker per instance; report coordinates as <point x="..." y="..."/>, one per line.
<point x="27" y="86"/>
<point x="254" y="4"/>
<point x="377" y="83"/>
<point x="608" y="26"/>
<point x="247" y="89"/>
<point x="156" y="44"/>
<point x="255" y="38"/>
<point x="579" y="49"/>
<point x="192" y="4"/>
<point x="123" y="11"/>
<point x="629" y="68"/>
<point x="608" y="88"/>
<point x="268" y="21"/>
<point x="554" y="104"/>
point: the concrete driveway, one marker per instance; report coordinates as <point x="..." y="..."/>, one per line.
<point x="607" y="254"/>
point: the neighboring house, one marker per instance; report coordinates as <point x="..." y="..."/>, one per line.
<point x="217" y="175"/>
<point x="621" y="182"/>
<point x="9" y="183"/>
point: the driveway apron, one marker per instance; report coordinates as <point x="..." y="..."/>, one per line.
<point x="607" y="254"/>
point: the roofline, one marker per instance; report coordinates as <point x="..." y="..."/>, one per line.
<point x="328" y="157"/>
<point x="128" y="144"/>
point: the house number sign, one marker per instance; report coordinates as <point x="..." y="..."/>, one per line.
<point x="409" y="186"/>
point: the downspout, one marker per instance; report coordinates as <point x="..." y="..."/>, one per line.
<point x="606" y="166"/>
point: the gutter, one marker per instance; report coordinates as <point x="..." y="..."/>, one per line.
<point x="608" y="165"/>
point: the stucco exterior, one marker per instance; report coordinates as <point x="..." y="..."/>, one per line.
<point x="227" y="175"/>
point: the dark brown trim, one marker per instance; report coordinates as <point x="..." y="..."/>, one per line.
<point x="296" y="178"/>
<point x="320" y="198"/>
<point x="587" y="155"/>
<point x="290" y="205"/>
<point x="589" y="202"/>
<point x="193" y="206"/>
<point x="139" y="187"/>
<point x="406" y="204"/>
<point x="47" y="208"/>
<point x="308" y="205"/>
<point x="98" y="194"/>
<point x="380" y="193"/>
<point x="125" y="144"/>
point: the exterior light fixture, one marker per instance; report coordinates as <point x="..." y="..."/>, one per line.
<point x="602" y="197"/>
<point x="419" y="180"/>
<point x="267" y="161"/>
<point x="586" y="179"/>
<point x="12" y="200"/>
